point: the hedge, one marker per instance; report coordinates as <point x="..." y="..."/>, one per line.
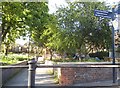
<point x="100" y="55"/>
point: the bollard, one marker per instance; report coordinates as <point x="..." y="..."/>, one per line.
<point x="31" y="73"/>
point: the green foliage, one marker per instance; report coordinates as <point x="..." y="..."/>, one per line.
<point x="100" y="55"/>
<point x="21" y="58"/>
<point x="23" y="19"/>
<point x="12" y="58"/>
<point x="91" y="60"/>
<point x="12" y="23"/>
<point x="50" y="72"/>
<point x="8" y="60"/>
<point x="69" y="30"/>
<point x="118" y="49"/>
<point x="37" y="20"/>
<point x="78" y="28"/>
<point x="73" y="60"/>
<point x="56" y="77"/>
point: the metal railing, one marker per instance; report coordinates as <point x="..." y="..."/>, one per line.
<point x="32" y="65"/>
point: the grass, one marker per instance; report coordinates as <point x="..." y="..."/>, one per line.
<point x="56" y="77"/>
<point x="50" y="72"/>
<point x="12" y="58"/>
<point x="73" y="60"/>
<point x="91" y="60"/>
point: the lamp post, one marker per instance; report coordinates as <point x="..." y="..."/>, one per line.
<point x="113" y="40"/>
<point x="113" y="46"/>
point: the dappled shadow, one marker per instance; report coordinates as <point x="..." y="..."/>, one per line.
<point x="44" y="79"/>
<point x="43" y="76"/>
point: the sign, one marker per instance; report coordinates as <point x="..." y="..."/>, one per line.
<point x="109" y="15"/>
<point x="104" y="14"/>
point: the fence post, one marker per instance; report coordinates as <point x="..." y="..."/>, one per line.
<point x="31" y="73"/>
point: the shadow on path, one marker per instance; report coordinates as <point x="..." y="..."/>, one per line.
<point x="42" y="78"/>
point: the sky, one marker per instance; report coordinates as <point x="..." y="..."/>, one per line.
<point x="52" y="4"/>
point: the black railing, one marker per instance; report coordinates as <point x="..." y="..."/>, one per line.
<point x="32" y="65"/>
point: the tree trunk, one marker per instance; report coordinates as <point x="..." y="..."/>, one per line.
<point x="6" y="50"/>
<point x="50" y="54"/>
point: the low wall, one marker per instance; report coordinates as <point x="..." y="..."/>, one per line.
<point x="70" y="76"/>
<point x="7" y="73"/>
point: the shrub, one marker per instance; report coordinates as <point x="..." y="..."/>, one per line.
<point x="90" y="60"/>
<point x="100" y="55"/>
<point x="12" y="58"/>
<point x="21" y="58"/>
<point x="118" y="49"/>
<point x="73" y="60"/>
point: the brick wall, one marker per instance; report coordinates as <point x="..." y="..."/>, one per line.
<point x="70" y="76"/>
<point x="67" y="76"/>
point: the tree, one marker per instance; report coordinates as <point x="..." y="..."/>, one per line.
<point x="12" y="25"/>
<point x="23" y="19"/>
<point x="37" y="20"/>
<point x="79" y="27"/>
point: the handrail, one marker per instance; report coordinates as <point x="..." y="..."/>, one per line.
<point x="18" y="66"/>
<point x="78" y="66"/>
<point x="66" y="66"/>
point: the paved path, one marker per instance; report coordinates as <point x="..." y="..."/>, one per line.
<point x="41" y="78"/>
